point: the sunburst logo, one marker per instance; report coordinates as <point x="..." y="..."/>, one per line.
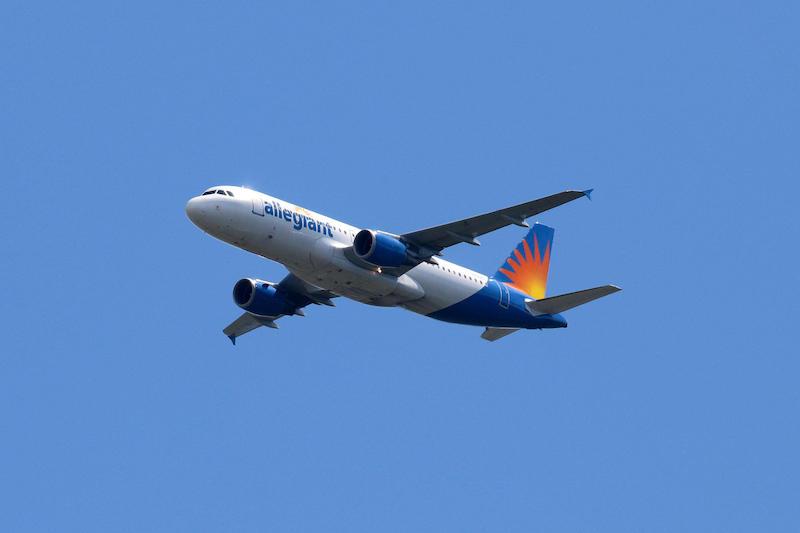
<point x="526" y="268"/>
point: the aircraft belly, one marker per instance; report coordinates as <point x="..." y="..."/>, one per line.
<point x="441" y="290"/>
<point x="330" y="269"/>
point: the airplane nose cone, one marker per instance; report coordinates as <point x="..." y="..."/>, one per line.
<point x="194" y="211"/>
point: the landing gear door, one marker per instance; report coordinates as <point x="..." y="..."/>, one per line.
<point x="258" y="206"/>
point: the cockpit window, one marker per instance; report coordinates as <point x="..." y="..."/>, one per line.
<point x="208" y="192"/>
<point x="220" y="191"/>
<point x="229" y="193"/>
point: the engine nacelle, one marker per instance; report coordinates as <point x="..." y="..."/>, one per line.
<point x="380" y="249"/>
<point x="261" y="298"/>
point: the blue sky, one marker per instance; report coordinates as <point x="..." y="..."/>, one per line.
<point x="672" y="406"/>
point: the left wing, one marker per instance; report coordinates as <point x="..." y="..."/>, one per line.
<point x="298" y="291"/>
<point x="433" y="240"/>
<point x="246" y="323"/>
<point x="302" y="291"/>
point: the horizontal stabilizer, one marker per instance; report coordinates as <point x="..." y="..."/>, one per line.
<point x="492" y="334"/>
<point x="564" y="302"/>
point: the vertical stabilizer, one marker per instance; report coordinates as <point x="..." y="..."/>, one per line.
<point x="526" y="268"/>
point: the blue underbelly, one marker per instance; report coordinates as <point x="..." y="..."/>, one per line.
<point x="484" y="309"/>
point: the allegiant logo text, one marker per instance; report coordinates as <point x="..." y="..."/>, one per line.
<point x="298" y="220"/>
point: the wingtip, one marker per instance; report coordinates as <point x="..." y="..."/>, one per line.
<point x="588" y="193"/>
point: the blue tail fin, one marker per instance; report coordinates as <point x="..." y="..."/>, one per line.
<point x="527" y="265"/>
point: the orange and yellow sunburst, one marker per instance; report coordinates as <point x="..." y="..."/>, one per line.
<point x="526" y="269"/>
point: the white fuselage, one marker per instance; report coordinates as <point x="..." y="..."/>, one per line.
<point x="313" y="246"/>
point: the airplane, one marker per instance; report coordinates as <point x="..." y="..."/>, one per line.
<point x="327" y="258"/>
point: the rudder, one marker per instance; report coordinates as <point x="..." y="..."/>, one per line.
<point x="527" y="266"/>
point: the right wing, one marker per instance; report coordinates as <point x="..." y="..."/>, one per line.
<point x="300" y="292"/>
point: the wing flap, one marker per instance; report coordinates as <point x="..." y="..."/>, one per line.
<point x="305" y="292"/>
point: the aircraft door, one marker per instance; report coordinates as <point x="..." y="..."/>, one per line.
<point x="505" y="296"/>
<point x="258" y="206"/>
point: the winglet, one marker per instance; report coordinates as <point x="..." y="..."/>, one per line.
<point x="588" y="193"/>
<point x="233" y="339"/>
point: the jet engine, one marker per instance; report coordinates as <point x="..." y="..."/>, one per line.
<point x="261" y="298"/>
<point x="380" y="249"/>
